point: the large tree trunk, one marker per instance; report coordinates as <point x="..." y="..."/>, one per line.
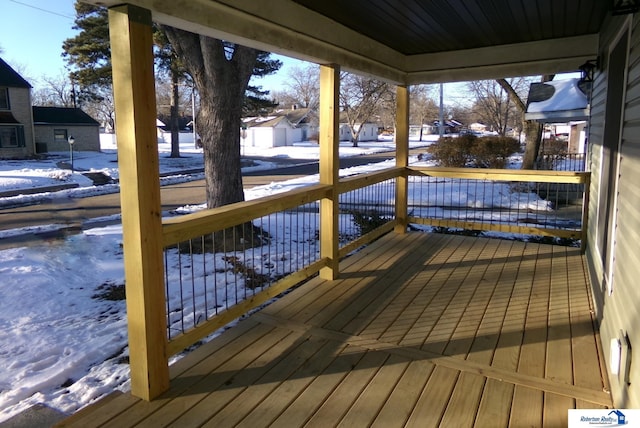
<point x="533" y="136"/>
<point x="221" y="74"/>
<point x="532" y="129"/>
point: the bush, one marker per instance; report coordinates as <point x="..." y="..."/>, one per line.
<point x="493" y="152"/>
<point x="368" y="221"/>
<point x="551" y="154"/>
<point x="451" y="151"/>
<point x="469" y="150"/>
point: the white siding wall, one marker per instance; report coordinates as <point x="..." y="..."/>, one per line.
<point x="619" y="313"/>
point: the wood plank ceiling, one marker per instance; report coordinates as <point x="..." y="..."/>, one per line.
<point x="430" y="26"/>
<point x="404" y="42"/>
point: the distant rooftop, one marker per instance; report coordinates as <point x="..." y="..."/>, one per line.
<point x="10" y="78"/>
<point x="62" y="116"/>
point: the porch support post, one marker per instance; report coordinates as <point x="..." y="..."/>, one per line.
<point x="402" y="157"/>
<point x="329" y="165"/>
<point x="135" y="106"/>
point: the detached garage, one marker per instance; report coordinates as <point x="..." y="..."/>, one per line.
<point x="53" y="126"/>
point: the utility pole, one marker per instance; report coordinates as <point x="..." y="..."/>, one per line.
<point x="441" y="118"/>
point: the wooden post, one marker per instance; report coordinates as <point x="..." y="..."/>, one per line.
<point x="135" y="106"/>
<point x="329" y="165"/>
<point x="402" y="157"/>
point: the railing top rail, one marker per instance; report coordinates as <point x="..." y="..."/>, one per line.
<point x="203" y="222"/>
<point x="362" y="180"/>
<point x="528" y="175"/>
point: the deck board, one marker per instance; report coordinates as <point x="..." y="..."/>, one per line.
<point x="419" y="330"/>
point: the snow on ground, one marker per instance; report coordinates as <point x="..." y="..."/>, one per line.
<point x="63" y="338"/>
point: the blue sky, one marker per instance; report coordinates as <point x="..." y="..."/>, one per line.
<point x="32" y="33"/>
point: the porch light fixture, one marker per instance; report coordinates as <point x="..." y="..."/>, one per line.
<point x="587" y="70"/>
<point x="623" y="7"/>
<point x="71" y="142"/>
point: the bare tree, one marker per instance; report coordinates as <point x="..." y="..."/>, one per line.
<point x="493" y="104"/>
<point x="55" y="92"/>
<point x="164" y="96"/>
<point x="360" y="99"/>
<point x="303" y="86"/>
<point x="422" y="107"/>
<point x="101" y="108"/>
<point x="532" y="129"/>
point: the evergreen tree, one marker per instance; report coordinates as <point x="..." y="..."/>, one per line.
<point x="219" y="70"/>
<point x="89" y="52"/>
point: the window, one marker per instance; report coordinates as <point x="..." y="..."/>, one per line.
<point x="11" y="136"/>
<point x="60" y="135"/>
<point x="4" y="98"/>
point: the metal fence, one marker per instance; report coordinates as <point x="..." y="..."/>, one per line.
<point x="530" y="202"/>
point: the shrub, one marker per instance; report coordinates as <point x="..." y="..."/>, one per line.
<point x="370" y="220"/>
<point x="451" y="151"/>
<point x="493" y="151"/>
<point x="552" y="153"/>
<point x="467" y="149"/>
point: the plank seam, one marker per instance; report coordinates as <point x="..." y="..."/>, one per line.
<point x="580" y="393"/>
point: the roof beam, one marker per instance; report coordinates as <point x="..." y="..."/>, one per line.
<point x="283" y="27"/>
<point x="522" y="59"/>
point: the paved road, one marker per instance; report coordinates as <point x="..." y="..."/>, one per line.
<point x="74" y="212"/>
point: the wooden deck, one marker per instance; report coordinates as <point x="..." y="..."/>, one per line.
<point x="420" y="330"/>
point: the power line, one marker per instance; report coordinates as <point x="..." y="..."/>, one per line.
<point x="43" y="10"/>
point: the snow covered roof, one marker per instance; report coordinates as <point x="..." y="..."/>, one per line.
<point x="557" y="101"/>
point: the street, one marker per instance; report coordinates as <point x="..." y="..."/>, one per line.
<point x="74" y="212"/>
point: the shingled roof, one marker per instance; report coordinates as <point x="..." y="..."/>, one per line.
<point x="62" y="116"/>
<point x="10" y="78"/>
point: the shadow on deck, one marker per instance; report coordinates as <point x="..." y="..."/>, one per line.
<point x="420" y="330"/>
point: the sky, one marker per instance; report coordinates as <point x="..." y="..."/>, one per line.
<point x="32" y="33"/>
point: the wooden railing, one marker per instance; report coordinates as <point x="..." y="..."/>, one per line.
<point x="531" y="202"/>
<point x="182" y="234"/>
<point x="301" y="209"/>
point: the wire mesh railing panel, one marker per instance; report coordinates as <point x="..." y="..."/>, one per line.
<point x="561" y="162"/>
<point x="508" y="206"/>
<point x="207" y="275"/>
<point x="365" y="209"/>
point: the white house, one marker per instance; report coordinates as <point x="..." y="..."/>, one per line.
<point x="281" y="128"/>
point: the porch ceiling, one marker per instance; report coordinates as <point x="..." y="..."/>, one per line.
<point x="412" y="41"/>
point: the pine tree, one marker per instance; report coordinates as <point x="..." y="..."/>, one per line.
<point x="89" y="52"/>
<point x="220" y="71"/>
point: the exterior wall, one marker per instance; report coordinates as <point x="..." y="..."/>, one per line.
<point x="618" y="312"/>
<point x="259" y="137"/>
<point x="20" y="102"/>
<point x="368" y="133"/>
<point x="267" y="137"/>
<point x="87" y="138"/>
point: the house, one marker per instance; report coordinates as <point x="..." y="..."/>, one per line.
<point x="538" y="374"/>
<point x="478" y="127"/>
<point x="368" y="130"/>
<point x="16" y="117"/>
<point x="54" y="126"/>
<point x="26" y="130"/>
<point x="451" y="126"/>
<point x="280" y="128"/>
